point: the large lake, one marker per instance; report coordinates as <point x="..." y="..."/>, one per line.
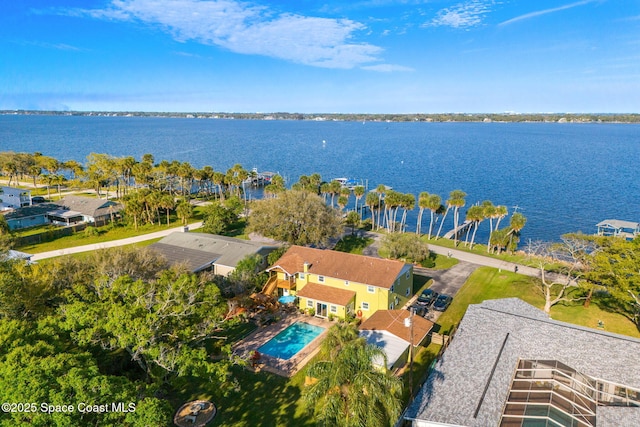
<point x="563" y="177"/>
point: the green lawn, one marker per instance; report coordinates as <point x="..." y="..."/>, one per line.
<point x="353" y="244"/>
<point x="106" y="234"/>
<point x="489" y="283"/>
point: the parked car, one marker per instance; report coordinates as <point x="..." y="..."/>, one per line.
<point x="37" y="199"/>
<point x="442" y="302"/>
<point x="419" y="310"/>
<point x="427" y="297"/>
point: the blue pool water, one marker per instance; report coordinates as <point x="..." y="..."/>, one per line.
<point x="289" y="342"/>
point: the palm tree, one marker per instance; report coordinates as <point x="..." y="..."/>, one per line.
<point x="423" y="203"/>
<point x="184" y="211"/>
<point x="501" y="212"/>
<point x="449" y="203"/>
<point x="358" y="192"/>
<point x="381" y="189"/>
<point x="457" y="201"/>
<point x="371" y="201"/>
<point x="516" y="224"/>
<point x="434" y="204"/>
<point x="408" y="204"/>
<point x="489" y="211"/>
<point x="334" y="188"/>
<point x="476" y="215"/>
<point x="350" y="390"/>
<point x="167" y="203"/>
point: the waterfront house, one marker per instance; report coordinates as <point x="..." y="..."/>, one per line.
<point x="339" y="284"/>
<point x="14" y="198"/>
<point x="202" y="251"/>
<point x="509" y="364"/>
<point x="394" y="331"/>
<point x="77" y="209"/>
<point x="618" y="228"/>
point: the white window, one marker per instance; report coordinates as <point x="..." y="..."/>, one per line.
<point x="321" y="279"/>
<point x="391" y="306"/>
<point x="333" y="309"/>
<point x="346" y="283"/>
<point x="301" y="275"/>
<point x="310" y="303"/>
<point x="407" y="275"/>
<point x="406" y="292"/>
<point x="365" y="306"/>
<point x="371" y="289"/>
<point x="391" y="288"/>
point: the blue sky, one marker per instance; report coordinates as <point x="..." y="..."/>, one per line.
<point x="314" y="56"/>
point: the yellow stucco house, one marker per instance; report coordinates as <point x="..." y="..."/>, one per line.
<point x="340" y="284"/>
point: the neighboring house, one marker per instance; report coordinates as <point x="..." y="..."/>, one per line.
<point x="29" y="216"/>
<point x="340" y="284"/>
<point x="14" y="198"/>
<point x="75" y="209"/>
<point x="509" y="364"/>
<point x="615" y="227"/>
<point x="392" y="331"/>
<point x="202" y="251"/>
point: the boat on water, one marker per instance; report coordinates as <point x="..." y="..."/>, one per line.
<point x="348" y="182"/>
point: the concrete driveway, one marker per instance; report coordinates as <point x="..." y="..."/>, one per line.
<point x="448" y="281"/>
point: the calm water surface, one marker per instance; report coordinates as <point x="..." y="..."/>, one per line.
<point x="563" y="177"/>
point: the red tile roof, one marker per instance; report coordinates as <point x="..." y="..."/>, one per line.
<point x="393" y="322"/>
<point x="328" y="294"/>
<point x="341" y="265"/>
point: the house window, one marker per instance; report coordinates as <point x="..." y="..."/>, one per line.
<point x="391" y="288"/>
<point x="407" y="275"/>
<point x="333" y="309"/>
<point x="391" y="306"/>
<point x="346" y="283"/>
<point x="365" y="306"/>
<point x="371" y="289"/>
<point x="406" y="294"/>
<point x="321" y="279"/>
<point x="310" y="303"/>
<point x="301" y="275"/>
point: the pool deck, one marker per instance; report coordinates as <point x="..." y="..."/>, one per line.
<point x="285" y="368"/>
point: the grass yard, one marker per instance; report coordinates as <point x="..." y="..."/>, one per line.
<point x="105" y="234"/>
<point x="353" y="244"/>
<point x="489" y="283"/>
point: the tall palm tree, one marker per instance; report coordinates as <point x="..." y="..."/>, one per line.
<point x="501" y="213"/>
<point x="434" y="205"/>
<point x="516" y="224"/>
<point x="457" y="201"/>
<point x="423" y="203"/>
<point x="351" y="391"/>
<point x="381" y="189"/>
<point x="334" y="189"/>
<point x="449" y="204"/>
<point x="408" y="204"/>
<point x="489" y="211"/>
<point x="371" y="201"/>
<point x="475" y="214"/>
<point x="358" y="192"/>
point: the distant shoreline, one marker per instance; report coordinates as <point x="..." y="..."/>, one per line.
<point x="427" y="118"/>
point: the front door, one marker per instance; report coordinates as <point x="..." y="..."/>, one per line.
<point x="321" y="309"/>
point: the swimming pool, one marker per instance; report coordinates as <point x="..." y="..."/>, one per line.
<point x="289" y="342"/>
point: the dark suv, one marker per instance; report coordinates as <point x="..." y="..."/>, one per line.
<point x="427" y="297"/>
<point x="442" y="302"/>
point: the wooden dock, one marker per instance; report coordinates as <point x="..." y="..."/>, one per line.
<point x="462" y="228"/>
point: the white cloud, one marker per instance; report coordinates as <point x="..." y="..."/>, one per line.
<point x="462" y="15"/>
<point x="249" y="29"/>
<point x="387" y="68"/>
<point x="545" y="11"/>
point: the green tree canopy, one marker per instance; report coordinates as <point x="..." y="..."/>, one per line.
<point x="295" y="217"/>
<point x="350" y="390"/>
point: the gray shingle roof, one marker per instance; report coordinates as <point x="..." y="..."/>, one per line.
<point x="454" y="388"/>
<point x="88" y="206"/>
<point x="201" y="249"/>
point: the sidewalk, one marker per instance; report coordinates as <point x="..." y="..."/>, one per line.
<point x="113" y="243"/>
